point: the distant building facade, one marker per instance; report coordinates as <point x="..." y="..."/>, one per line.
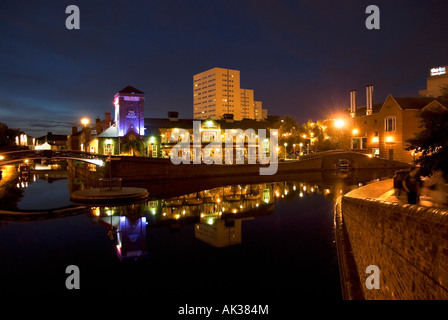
<point x="217" y="92"/>
<point x="438" y="77"/>
<point x="56" y="141"/>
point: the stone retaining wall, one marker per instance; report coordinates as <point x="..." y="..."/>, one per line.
<point x="408" y="243"/>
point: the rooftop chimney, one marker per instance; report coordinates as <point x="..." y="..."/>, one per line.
<point x="369" y="100"/>
<point x="173" y="116"/>
<point x="74" y="129"/>
<point x="353" y="103"/>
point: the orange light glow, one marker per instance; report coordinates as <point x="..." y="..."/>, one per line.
<point x="85" y="121"/>
<point x="339" y="123"/>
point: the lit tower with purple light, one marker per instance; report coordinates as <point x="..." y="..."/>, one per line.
<point x="129" y="111"/>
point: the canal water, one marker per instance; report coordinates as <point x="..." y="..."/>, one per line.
<point x="202" y="240"/>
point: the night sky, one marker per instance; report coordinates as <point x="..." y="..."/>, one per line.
<point x="300" y="57"/>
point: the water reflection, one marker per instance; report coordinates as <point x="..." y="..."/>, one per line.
<point x="217" y="214"/>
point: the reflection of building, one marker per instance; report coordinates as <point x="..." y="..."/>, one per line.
<point x="382" y="129"/>
<point x="217" y="92"/>
<point x="438" y="77"/>
<point x="130" y="231"/>
<point x="217" y="232"/>
<point x="217" y="213"/>
<point x="131" y="237"/>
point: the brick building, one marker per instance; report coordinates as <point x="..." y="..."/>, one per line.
<point x="382" y="129"/>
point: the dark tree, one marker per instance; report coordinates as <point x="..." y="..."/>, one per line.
<point x="7" y="138"/>
<point x="443" y="99"/>
<point x="432" y="142"/>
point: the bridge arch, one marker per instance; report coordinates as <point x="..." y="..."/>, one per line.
<point x="19" y="156"/>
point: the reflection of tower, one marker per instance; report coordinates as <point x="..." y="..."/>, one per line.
<point x="131" y="237"/>
<point x="217" y="232"/>
<point x="129" y="111"/>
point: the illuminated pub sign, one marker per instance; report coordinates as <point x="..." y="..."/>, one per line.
<point x="438" y="71"/>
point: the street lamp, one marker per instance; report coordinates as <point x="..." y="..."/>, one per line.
<point x="339" y="123"/>
<point x="285" y="144"/>
<point x="85" y="121"/>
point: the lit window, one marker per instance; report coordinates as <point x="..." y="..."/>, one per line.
<point x="389" y="124"/>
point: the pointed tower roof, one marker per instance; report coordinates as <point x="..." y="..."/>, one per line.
<point x="130" y="89"/>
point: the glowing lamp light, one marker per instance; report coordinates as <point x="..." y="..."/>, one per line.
<point x="389" y="139"/>
<point x="355" y="132"/>
<point x="85" y="121"/>
<point x="339" y="123"/>
<point x="2" y="158"/>
<point x="375" y="140"/>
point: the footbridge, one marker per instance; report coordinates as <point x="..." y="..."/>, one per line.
<point x="22" y="155"/>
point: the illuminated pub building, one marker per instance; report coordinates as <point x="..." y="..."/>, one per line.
<point x="133" y="134"/>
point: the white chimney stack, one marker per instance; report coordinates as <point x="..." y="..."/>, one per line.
<point x="353" y="103"/>
<point x="369" y="100"/>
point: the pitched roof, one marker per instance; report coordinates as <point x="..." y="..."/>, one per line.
<point x="111" y="132"/>
<point x="414" y="102"/>
<point x="130" y="89"/>
<point x="361" y="111"/>
<point x="405" y="103"/>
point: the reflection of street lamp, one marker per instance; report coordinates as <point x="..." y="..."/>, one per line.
<point x="285" y="144"/>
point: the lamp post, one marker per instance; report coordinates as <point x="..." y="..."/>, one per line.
<point x="339" y="123"/>
<point x="285" y="144"/>
<point x="85" y="122"/>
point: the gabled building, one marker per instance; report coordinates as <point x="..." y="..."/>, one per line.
<point x="382" y="129"/>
